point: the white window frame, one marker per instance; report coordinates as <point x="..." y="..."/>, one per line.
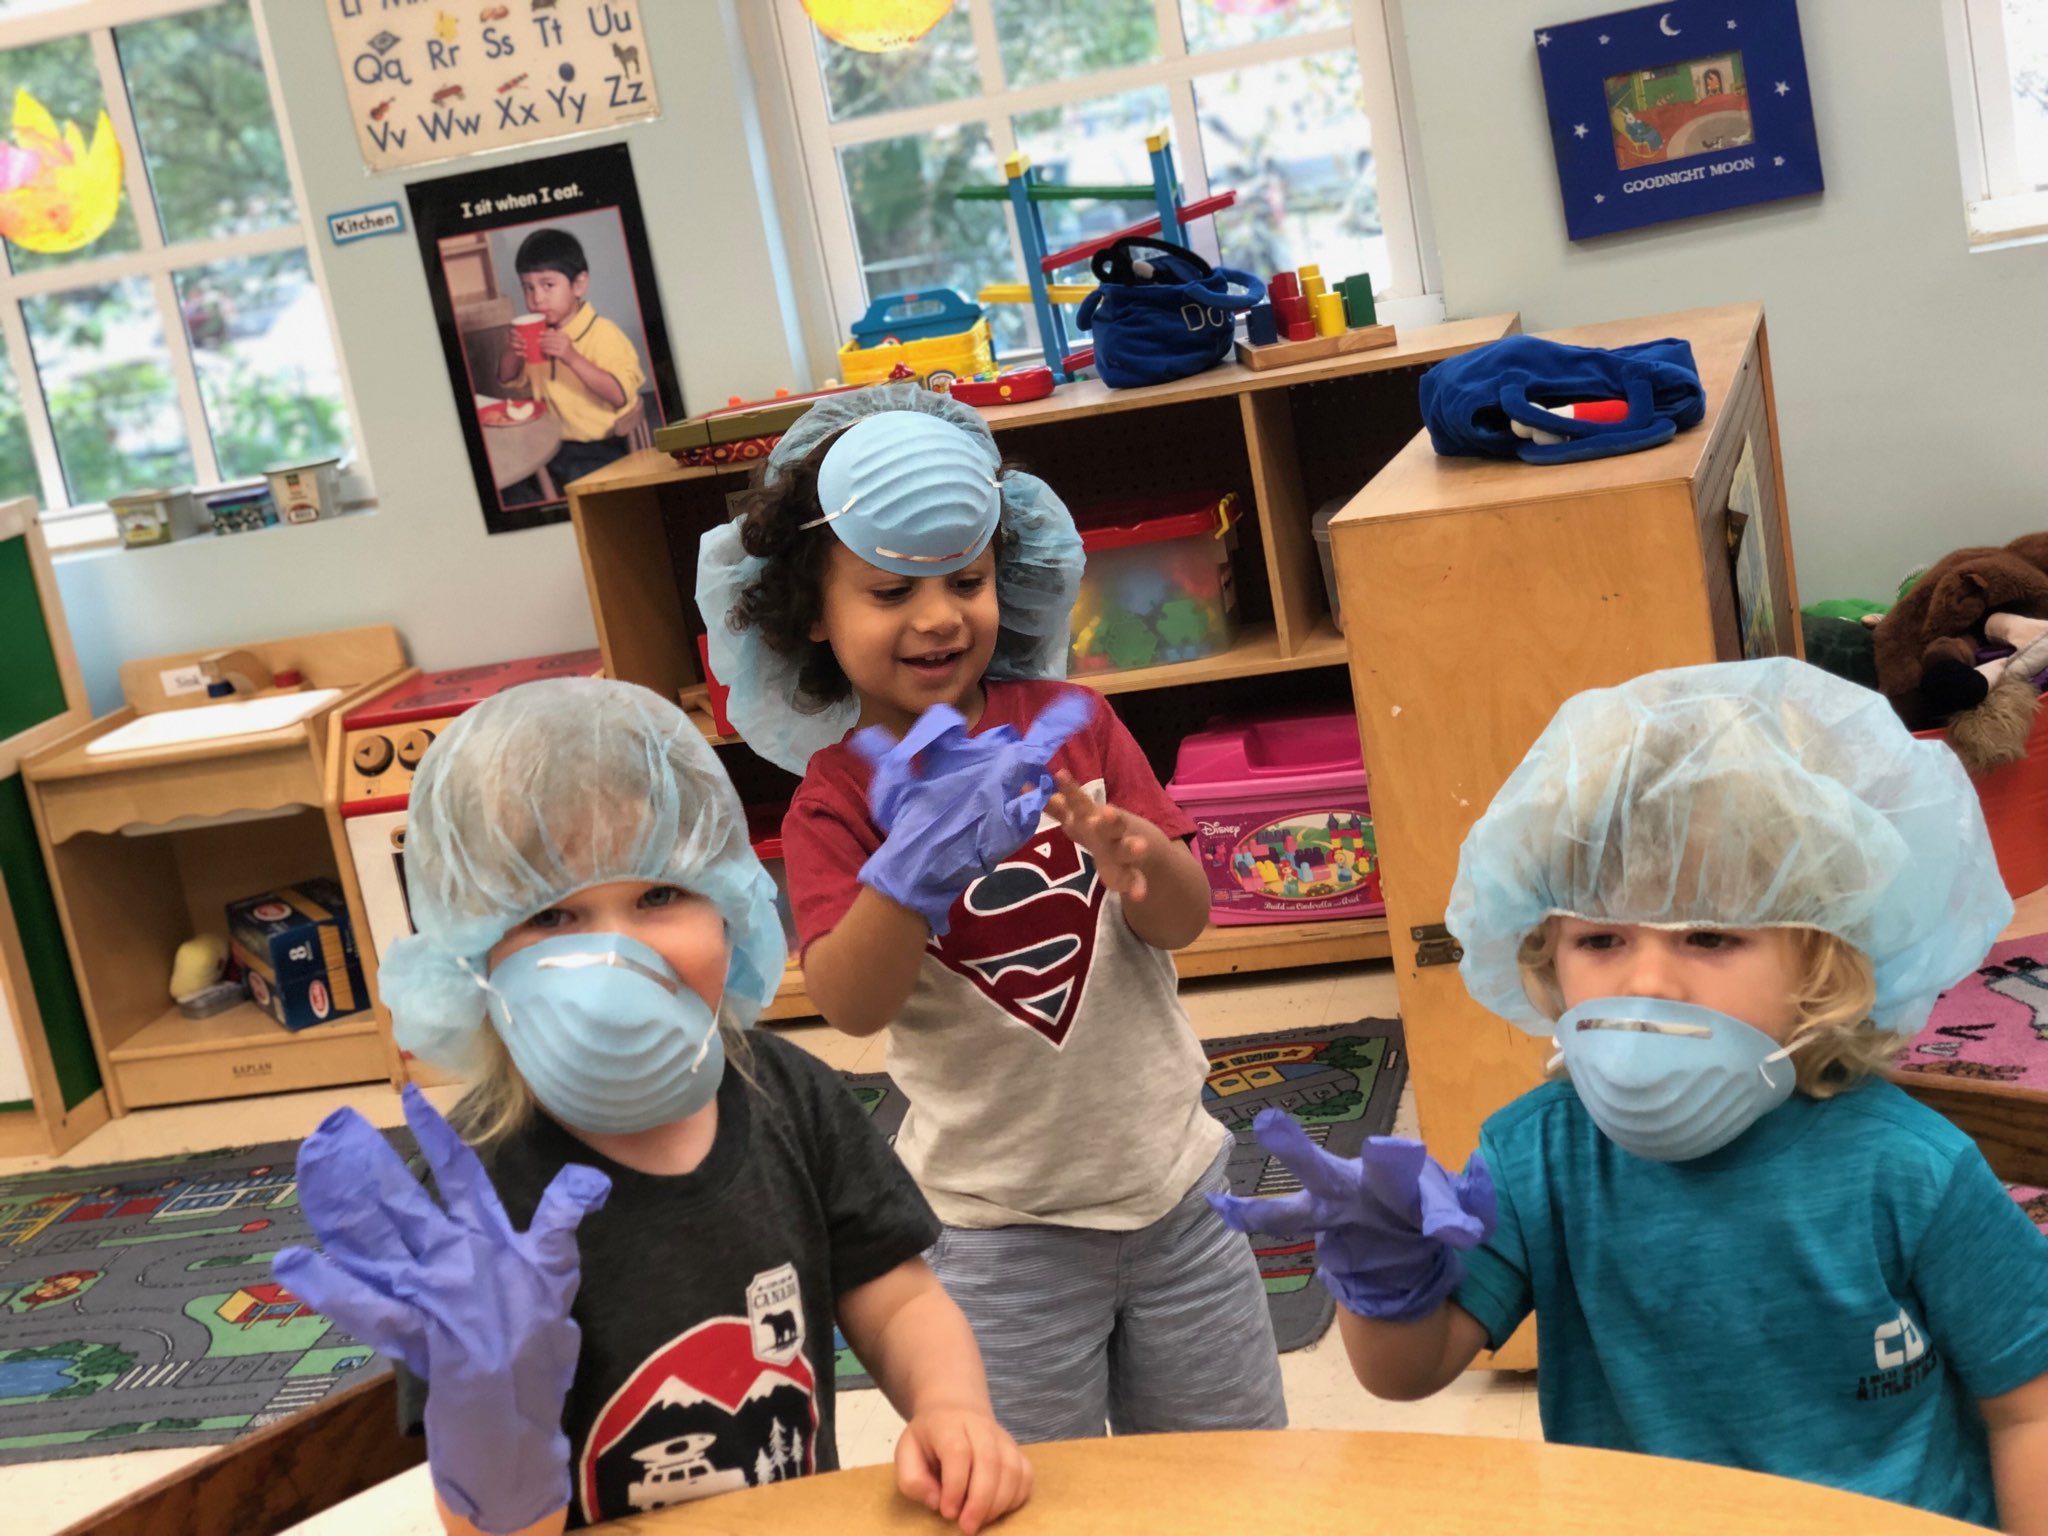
<point x="2000" y="208"/>
<point x="156" y="260"/>
<point x="1368" y="35"/>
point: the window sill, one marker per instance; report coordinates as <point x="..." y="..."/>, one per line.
<point x="1998" y="223"/>
<point x="102" y="538"/>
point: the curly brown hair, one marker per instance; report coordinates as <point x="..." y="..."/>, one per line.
<point x="788" y="597"/>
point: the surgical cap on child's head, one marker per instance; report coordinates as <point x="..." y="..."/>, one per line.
<point x="1038" y="564"/>
<point x="545" y="790"/>
<point x="1743" y="795"/>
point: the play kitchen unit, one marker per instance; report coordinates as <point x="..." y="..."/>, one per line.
<point x="382" y="741"/>
<point x="195" y="824"/>
<point x="1205" y="608"/>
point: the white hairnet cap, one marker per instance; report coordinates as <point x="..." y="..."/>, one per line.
<point x="545" y="790"/>
<point x="1754" y="794"/>
<point x="1038" y="577"/>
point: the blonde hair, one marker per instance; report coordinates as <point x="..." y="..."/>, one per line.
<point x="1838" y="1044"/>
<point x="500" y="1101"/>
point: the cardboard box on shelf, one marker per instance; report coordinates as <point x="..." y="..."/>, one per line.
<point x="300" y="952"/>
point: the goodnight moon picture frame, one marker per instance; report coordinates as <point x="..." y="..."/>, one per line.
<point x="1676" y="110"/>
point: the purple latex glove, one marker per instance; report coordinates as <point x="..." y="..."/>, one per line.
<point x="1388" y="1224"/>
<point x="953" y="806"/>
<point x="477" y="1310"/>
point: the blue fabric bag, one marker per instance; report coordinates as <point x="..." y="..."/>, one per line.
<point x="1161" y="312"/>
<point x="1470" y="401"/>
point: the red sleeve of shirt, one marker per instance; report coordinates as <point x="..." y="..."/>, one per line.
<point x="1128" y="782"/>
<point x="826" y="838"/>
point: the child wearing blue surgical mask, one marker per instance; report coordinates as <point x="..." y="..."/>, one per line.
<point x="1730" y="894"/>
<point x="622" y="1290"/>
<point x="990" y="870"/>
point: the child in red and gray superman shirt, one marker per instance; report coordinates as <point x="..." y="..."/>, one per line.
<point x="1054" y="1081"/>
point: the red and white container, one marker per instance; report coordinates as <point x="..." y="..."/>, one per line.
<point x="1283" y="824"/>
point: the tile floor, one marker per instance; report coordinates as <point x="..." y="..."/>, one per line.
<point x="43" y="1497"/>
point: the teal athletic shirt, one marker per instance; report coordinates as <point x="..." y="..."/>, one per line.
<point x="1824" y="1298"/>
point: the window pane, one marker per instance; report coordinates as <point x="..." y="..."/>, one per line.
<point x="17" y="460"/>
<point x="912" y="234"/>
<point x="266" y="362"/>
<point x="1292" y="140"/>
<point x="1228" y="23"/>
<point x="202" y="110"/>
<point x="62" y="76"/>
<point x="99" y="353"/>
<point x="1045" y="40"/>
<point x="940" y="67"/>
<point x="2026" y="52"/>
<point x="1093" y="143"/>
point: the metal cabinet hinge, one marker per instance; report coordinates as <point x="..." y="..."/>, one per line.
<point x="1435" y="946"/>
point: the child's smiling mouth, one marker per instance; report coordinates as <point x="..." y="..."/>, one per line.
<point x="933" y="665"/>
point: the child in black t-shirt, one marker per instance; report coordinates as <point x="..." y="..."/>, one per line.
<point x="626" y="1293"/>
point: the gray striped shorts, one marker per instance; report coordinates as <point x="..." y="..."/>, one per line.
<point x="1164" y="1328"/>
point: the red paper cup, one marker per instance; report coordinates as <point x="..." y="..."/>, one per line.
<point x="528" y="328"/>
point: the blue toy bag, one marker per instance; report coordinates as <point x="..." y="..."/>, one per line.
<point x="1161" y="312"/>
<point x="1470" y="401"/>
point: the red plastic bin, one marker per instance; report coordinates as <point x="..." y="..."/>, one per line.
<point x="2015" y="800"/>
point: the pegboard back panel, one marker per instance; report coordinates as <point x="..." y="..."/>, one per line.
<point x="1195" y="446"/>
<point x="1161" y="718"/>
<point x="1348" y="429"/>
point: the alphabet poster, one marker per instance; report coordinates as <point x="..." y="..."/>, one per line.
<point x="433" y="79"/>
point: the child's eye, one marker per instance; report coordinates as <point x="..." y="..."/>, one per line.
<point x="661" y="896"/>
<point x="1712" y="939"/>
<point x="970" y="584"/>
<point x="1597" y="942"/>
<point x="890" y="594"/>
<point x="549" y="920"/>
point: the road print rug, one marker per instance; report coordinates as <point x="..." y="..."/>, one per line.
<point x="137" y="1308"/>
<point x="1342" y="1082"/>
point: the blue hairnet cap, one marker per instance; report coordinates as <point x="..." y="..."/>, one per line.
<point x="545" y="790"/>
<point x="910" y="493"/>
<point x="1758" y="794"/>
<point x="1038" y="574"/>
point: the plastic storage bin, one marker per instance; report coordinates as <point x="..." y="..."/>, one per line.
<point x="936" y="336"/>
<point x="764" y="833"/>
<point x="1319" y="525"/>
<point x="242" y="509"/>
<point x="1158" y="584"/>
<point x="1283" y="823"/>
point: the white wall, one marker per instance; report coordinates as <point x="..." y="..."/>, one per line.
<point x="1910" y="373"/>
<point x="423" y="561"/>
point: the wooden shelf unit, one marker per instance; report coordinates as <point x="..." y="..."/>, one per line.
<point x="147" y="848"/>
<point x="1288" y="438"/>
<point x="1600" y="571"/>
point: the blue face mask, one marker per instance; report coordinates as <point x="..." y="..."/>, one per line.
<point x="1671" y="1081"/>
<point x="606" y="1034"/>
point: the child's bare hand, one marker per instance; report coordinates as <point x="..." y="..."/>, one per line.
<point x="554" y="343"/>
<point x="962" y="1464"/>
<point x="1104" y="833"/>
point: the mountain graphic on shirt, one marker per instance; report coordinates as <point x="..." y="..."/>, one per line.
<point x="701" y="1415"/>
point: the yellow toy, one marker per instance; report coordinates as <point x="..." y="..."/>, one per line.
<point x="198" y="965"/>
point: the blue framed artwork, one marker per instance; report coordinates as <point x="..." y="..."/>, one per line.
<point x="1676" y="110"/>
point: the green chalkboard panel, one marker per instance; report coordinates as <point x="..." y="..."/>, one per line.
<point x="31" y="687"/>
<point x="25" y="885"/>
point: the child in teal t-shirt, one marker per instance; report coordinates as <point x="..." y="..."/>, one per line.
<point x="1730" y="893"/>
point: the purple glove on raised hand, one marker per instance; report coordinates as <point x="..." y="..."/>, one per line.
<point x="1388" y="1224"/>
<point x="478" y="1311"/>
<point x="953" y="806"/>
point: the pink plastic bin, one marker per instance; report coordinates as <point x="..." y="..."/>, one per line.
<point x="1283" y="825"/>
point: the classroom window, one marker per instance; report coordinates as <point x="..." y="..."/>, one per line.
<point x="189" y="344"/>
<point x="1999" y="70"/>
<point x="1289" y="103"/>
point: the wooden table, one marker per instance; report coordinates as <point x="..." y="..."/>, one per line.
<point x="519" y="450"/>
<point x="1311" y="1482"/>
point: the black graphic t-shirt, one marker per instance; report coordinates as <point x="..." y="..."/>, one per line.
<point x="708" y="1298"/>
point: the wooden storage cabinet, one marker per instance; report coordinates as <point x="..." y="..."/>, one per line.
<point x="1288" y="438"/>
<point x="1479" y="595"/>
<point x="147" y="848"/>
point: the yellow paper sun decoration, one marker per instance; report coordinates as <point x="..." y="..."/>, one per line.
<point x="876" y="26"/>
<point x="56" y="193"/>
